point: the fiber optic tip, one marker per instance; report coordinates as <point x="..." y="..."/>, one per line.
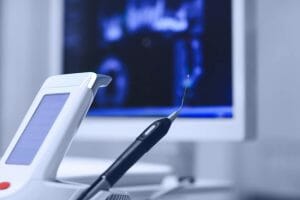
<point x="186" y="84"/>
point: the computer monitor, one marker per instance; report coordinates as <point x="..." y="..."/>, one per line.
<point x="149" y="47"/>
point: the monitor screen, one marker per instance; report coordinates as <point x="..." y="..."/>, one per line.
<point x="149" y="47"/>
<point x="37" y="129"/>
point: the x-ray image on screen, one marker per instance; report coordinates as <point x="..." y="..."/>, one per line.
<point x="149" y="47"/>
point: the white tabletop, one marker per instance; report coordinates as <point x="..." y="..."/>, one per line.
<point x="86" y="170"/>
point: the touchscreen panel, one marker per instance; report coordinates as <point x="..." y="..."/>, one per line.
<point x="37" y="129"/>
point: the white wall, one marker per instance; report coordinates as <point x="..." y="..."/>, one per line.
<point x="1" y="89"/>
<point x="271" y="164"/>
<point x="24" y="60"/>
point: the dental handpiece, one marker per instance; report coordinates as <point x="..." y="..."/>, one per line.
<point x="142" y="144"/>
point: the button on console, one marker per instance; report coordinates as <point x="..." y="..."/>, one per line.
<point x="4" y="185"/>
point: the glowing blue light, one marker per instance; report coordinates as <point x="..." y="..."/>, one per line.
<point x="112" y="30"/>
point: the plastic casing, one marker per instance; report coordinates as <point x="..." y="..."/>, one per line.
<point x="81" y="88"/>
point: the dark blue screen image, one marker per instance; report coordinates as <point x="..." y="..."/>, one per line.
<point x="149" y="47"/>
<point x="37" y="129"/>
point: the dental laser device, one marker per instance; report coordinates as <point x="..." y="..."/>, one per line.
<point x="29" y="166"/>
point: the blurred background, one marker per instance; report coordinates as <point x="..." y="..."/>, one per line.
<point x="266" y="167"/>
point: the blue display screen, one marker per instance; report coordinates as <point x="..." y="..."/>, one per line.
<point x="37" y="129"/>
<point x="148" y="47"/>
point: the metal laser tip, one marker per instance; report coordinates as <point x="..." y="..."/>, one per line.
<point x="175" y="114"/>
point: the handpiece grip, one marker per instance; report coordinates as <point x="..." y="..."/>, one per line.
<point x="143" y="143"/>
